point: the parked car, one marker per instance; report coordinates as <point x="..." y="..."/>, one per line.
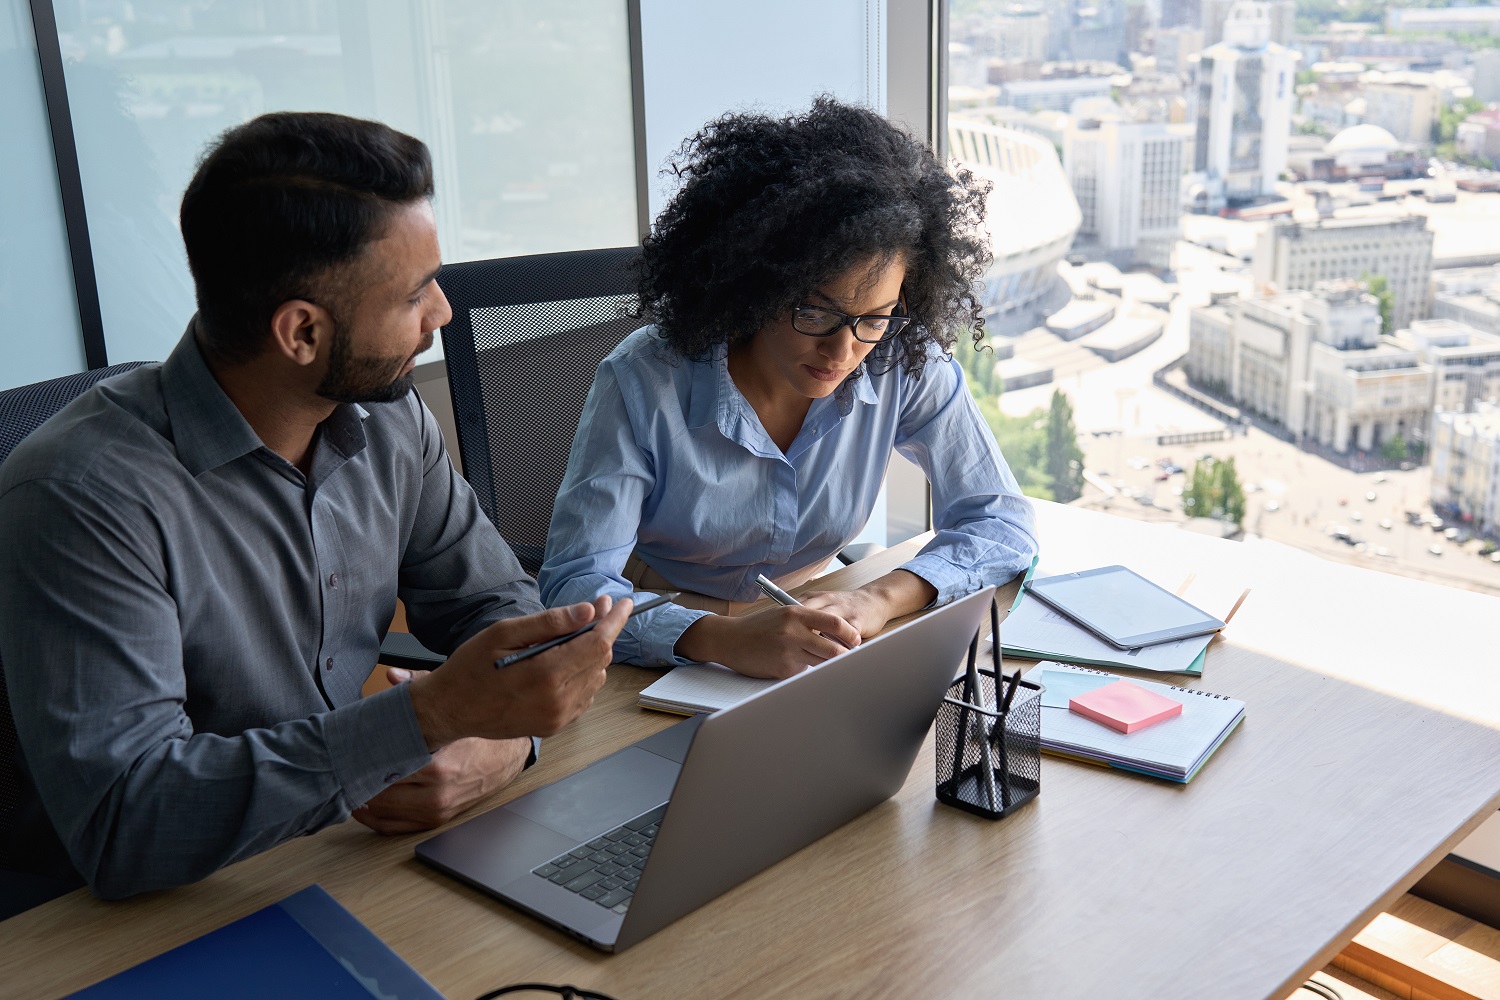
<point x="1386" y="523"/>
<point x="1436" y="550"/>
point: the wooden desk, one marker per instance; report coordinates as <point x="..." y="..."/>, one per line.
<point x="1337" y="792"/>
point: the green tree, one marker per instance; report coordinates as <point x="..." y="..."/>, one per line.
<point x="1446" y="129"/>
<point x="1023" y="442"/>
<point x="1381" y="289"/>
<point x="1064" y="457"/>
<point x="1214" y="491"/>
<point x="978" y="364"/>
<point x="1395" y="449"/>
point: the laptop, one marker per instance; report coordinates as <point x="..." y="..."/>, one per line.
<point x="618" y="850"/>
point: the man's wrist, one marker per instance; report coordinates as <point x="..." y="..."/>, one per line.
<point x="435" y="723"/>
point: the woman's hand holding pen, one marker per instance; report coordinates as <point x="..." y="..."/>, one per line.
<point x="777" y="642"/>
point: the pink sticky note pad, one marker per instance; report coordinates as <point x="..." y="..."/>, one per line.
<point x="1125" y="706"/>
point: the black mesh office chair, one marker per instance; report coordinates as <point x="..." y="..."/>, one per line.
<point x="526" y="336"/>
<point x="22" y="410"/>
<point x="521" y="349"/>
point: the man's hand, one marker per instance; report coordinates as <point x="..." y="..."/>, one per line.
<point x="777" y="642"/>
<point x="467" y="696"/>
<point x="460" y="774"/>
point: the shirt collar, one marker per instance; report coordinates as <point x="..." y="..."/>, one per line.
<point x="209" y="430"/>
<point x="716" y="400"/>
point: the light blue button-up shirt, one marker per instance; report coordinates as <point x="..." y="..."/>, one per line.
<point x="671" y="462"/>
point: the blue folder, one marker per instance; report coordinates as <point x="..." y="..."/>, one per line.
<point x="307" y="945"/>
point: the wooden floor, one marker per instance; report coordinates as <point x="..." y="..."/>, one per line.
<point x="1416" y="951"/>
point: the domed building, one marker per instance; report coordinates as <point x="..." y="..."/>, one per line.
<point x="1358" y="151"/>
<point x="1362" y="149"/>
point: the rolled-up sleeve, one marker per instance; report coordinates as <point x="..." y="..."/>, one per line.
<point x="595" y="524"/>
<point x="985" y="527"/>
<point x="93" y="659"/>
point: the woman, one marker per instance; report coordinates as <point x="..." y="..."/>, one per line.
<point x="806" y="283"/>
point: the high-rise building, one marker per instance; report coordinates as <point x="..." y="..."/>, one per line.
<point x="1127" y="177"/>
<point x="1408" y="109"/>
<point x="1465" y="453"/>
<point x="1281" y="16"/>
<point x="1298" y="255"/>
<point x="1020" y="34"/>
<point x="1175" y="49"/>
<point x="1098" y="32"/>
<point x="1245" y="95"/>
<point x="1487" y="75"/>
<point x="1181" y="13"/>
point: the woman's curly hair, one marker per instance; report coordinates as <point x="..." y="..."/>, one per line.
<point x="772" y="208"/>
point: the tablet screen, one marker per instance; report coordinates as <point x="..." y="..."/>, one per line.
<point x="1123" y="606"/>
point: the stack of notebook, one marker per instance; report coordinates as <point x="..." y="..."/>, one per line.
<point x="1174" y="749"/>
<point x="1035" y="631"/>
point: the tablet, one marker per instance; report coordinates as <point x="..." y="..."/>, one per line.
<point x="1122" y="607"/>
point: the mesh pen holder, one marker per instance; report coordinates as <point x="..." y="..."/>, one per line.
<point x="989" y="762"/>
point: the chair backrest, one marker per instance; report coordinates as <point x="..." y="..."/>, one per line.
<point x="526" y="336"/>
<point x="22" y="410"/>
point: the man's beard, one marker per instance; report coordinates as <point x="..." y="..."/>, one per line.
<point x="361" y="380"/>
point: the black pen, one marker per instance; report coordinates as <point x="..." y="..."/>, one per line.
<point x="542" y="647"/>
<point x="786" y="600"/>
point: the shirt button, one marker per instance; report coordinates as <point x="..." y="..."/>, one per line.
<point x="392" y="778"/>
<point x="328" y="663"/>
<point x="333" y="580"/>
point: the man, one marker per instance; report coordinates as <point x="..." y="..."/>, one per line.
<point x="198" y="560"/>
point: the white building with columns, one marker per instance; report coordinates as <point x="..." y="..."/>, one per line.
<point x="1315" y="363"/>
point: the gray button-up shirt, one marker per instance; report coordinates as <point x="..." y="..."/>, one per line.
<point x="186" y="620"/>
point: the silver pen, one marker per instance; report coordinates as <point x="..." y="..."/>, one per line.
<point x="786" y="600"/>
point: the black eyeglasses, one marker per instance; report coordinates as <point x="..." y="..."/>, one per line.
<point x="817" y="321"/>
<point x="566" y="992"/>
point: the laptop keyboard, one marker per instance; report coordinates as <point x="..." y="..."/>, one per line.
<point x="607" y="868"/>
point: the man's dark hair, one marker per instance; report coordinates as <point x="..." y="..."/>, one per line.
<point x="278" y="204"/>
<point x="770" y="209"/>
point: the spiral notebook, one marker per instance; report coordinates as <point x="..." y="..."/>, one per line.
<point x="1175" y="749"/>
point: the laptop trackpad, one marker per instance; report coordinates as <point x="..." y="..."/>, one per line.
<point x="602" y="795"/>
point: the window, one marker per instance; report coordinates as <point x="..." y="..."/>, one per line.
<point x="36" y="278"/>
<point x="525" y="105"/>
